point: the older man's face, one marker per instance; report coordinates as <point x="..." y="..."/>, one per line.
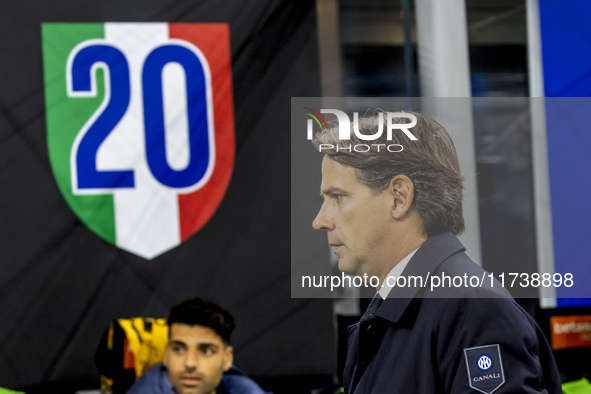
<point x="196" y="358"/>
<point x="354" y="218"/>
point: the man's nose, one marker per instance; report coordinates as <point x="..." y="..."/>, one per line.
<point x="322" y="222"/>
<point x="191" y="361"/>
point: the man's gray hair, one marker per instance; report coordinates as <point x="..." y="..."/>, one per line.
<point x="431" y="163"/>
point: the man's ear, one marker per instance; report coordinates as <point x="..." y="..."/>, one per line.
<point x="228" y="357"/>
<point x="401" y="190"/>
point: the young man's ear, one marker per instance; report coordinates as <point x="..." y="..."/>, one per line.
<point x="228" y="357"/>
<point x="401" y="190"/>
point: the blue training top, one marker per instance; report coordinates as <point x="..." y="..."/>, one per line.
<point x="155" y="381"/>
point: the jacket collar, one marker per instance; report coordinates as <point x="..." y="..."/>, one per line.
<point x="434" y="251"/>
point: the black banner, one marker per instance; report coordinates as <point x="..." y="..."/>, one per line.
<point x="61" y="284"/>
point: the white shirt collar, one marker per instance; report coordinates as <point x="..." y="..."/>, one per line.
<point x="395" y="272"/>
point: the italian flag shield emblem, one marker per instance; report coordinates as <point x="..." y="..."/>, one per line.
<point x="140" y="127"/>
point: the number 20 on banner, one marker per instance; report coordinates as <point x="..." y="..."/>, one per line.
<point x="92" y="54"/>
<point x="144" y="111"/>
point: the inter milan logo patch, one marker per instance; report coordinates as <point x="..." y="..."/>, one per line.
<point x="484" y="362"/>
<point x="485" y="368"/>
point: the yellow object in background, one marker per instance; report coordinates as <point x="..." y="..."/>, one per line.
<point x="147" y="344"/>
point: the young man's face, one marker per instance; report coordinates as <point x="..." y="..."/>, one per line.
<point x="196" y="358"/>
<point x="354" y="218"/>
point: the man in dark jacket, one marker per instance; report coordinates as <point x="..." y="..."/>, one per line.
<point x="198" y="357"/>
<point x="394" y="215"/>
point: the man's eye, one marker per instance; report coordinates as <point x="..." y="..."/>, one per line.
<point x="338" y="197"/>
<point x="208" y="351"/>
<point x="177" y="349"/>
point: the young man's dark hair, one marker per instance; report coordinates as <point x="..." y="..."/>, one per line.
<point x="197" y="311"/>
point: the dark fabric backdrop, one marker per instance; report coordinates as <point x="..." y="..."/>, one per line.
<point x="60" y="284"/>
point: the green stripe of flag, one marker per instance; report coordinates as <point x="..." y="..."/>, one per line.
<point x="66" y="116"/>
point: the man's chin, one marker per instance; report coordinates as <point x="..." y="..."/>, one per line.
<point x="191" y="388"/>
<point x="346" y="268"/>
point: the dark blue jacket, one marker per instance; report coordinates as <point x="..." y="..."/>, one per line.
<point x="458" y="340"/>
<point x="155" y="381"/>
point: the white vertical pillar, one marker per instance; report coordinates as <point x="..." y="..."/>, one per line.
<point x="534" y="49"/>
<point x="442" y="40"/>
<point x="444" y="69"/>
<point x="542" y="207"/>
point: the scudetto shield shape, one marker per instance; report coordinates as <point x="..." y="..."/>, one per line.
<point x="140" y="127"/>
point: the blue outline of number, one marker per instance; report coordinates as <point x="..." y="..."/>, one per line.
<point x="197" y="112"/>
<point x="117" y="94"/>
